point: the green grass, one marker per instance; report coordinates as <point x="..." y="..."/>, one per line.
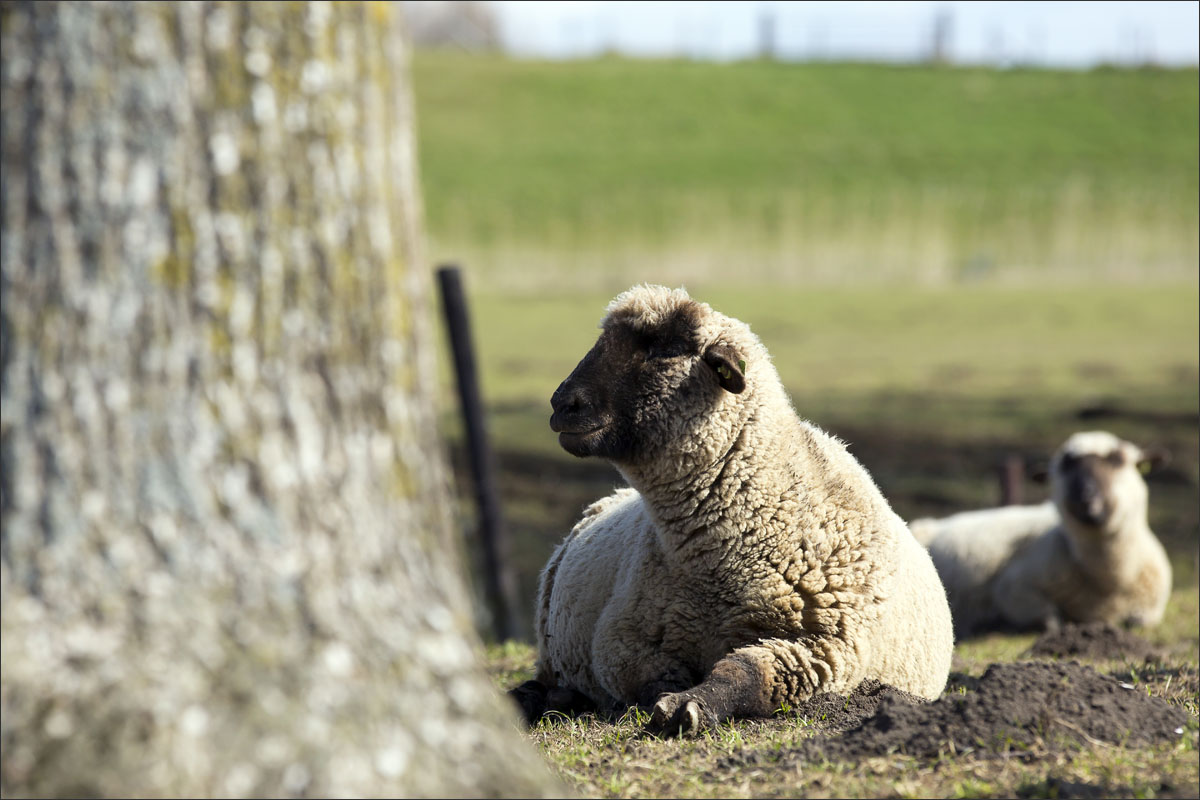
<point x="574" y="173"/>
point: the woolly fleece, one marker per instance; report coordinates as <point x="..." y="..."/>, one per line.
<point x="1037" y="566"/>
<point x="749" y="533"/>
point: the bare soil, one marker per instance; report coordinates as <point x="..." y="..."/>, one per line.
<point x="833" y="713"/>
<point x="1095" y="640"/>
<point x="1079" y="790"/>
<point x="1024" y="706"/>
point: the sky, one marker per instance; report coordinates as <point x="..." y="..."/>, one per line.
<point x="1060" y="34"/>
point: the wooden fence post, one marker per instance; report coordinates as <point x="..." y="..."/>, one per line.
<point x="1012" y="481"/>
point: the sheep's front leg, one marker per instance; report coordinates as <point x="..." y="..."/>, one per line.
<point x="753" y="681"/>
<point x="737" y="687"/>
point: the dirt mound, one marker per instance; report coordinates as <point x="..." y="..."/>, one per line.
<point x="1094" y="640"/>
<point x="1013" y="706"/>
<point x="835" y="713"/>
<point x="1070" y="790"/>
<point x="1075" y="790"/>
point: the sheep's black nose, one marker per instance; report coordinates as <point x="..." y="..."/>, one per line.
<point x="565" y="398"/>
<point x="571" y="406"/>
<point x="569" y="398"/>
<point x="1088" y="502"/>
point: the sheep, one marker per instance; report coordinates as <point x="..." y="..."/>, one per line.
<point x="751" y="562"/>
<point x="1086" y="555"/>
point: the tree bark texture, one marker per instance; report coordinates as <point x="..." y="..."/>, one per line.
<point x="226" y="559"/>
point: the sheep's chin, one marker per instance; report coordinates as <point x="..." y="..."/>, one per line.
<point x="580" y="443"/>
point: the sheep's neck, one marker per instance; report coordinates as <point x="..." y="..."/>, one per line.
<point x="714" y="500"/>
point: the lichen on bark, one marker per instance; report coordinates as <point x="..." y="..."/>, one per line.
<point x="226" y="560"/>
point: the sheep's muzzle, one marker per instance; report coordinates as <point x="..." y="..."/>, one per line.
<point x="1087" y="495"/>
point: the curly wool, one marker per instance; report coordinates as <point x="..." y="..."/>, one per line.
<point x="750" y="532"/>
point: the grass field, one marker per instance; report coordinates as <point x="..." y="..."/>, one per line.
<point x="949" y="267"/>
<point x="574" y="174"/>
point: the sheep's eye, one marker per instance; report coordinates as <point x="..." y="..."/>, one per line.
<point x="1068" y="461"/>
<point x="643" y="343"/>
<point x="1116" y="458"/>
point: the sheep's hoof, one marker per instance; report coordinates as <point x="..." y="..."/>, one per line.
<point x="679" y="715"/>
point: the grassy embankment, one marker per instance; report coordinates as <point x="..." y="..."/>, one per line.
<point x="601" y="173"/>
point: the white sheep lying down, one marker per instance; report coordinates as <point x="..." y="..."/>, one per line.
<point x="1086" y="555"/>
<point x="752" y="563"/>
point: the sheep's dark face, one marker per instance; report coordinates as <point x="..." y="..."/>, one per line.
<point x="1097" y="479"/>
<point x="1086" y="483"/>
<point x="639" y="385"/>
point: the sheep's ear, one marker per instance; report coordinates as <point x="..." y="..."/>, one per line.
<point x="1038" y="471"/>
<point x="1153" y="458"/>
<point x="729" y="365"/>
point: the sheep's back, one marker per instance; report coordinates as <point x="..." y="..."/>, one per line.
<point x="971" y="548"/>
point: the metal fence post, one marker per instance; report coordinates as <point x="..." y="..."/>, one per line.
<point x="498" y="580"/>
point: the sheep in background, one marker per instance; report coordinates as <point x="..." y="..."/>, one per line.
<point x="1086" y="555"/>
<point x="753" y="562"/>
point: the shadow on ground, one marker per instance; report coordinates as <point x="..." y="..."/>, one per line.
<point x="543" y="492"/>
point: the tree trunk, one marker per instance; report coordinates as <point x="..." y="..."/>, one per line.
<point x="226" y="559"/>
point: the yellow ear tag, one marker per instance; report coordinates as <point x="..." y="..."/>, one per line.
<point x="742" y="365"/>
<point x="1144" y="467"/>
